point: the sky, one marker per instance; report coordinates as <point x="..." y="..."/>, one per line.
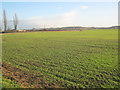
<point x="61" y="14"/>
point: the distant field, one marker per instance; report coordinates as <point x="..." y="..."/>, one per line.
<point x="61" y="59"/>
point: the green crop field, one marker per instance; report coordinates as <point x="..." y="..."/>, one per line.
<point x="78" y="59"/>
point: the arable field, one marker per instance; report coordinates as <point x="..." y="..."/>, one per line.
<point x="78" y="59"/>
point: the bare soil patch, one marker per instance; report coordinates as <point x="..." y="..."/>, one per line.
<point x="25" y="80"/>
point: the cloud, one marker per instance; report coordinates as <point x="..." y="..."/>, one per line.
<point x="64" y="19"/>
<point x="59" y="8"/>
<point x="69" y="17"/>
<point x="83" y="7"/>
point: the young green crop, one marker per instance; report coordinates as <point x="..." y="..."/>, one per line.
<point x="70" y="59"/>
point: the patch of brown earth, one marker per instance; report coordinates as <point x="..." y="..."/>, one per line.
<point x="26" y="80"/>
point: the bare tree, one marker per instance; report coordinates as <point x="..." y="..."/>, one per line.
<point x="8" y="28"/>
<point x="15" y="21"/>
<point x="44" y="27"/>
<point x="5" y="20"/>
<point x="0" y="29"/>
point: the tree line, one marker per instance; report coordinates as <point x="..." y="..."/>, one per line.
<point x="5" y="24"/>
